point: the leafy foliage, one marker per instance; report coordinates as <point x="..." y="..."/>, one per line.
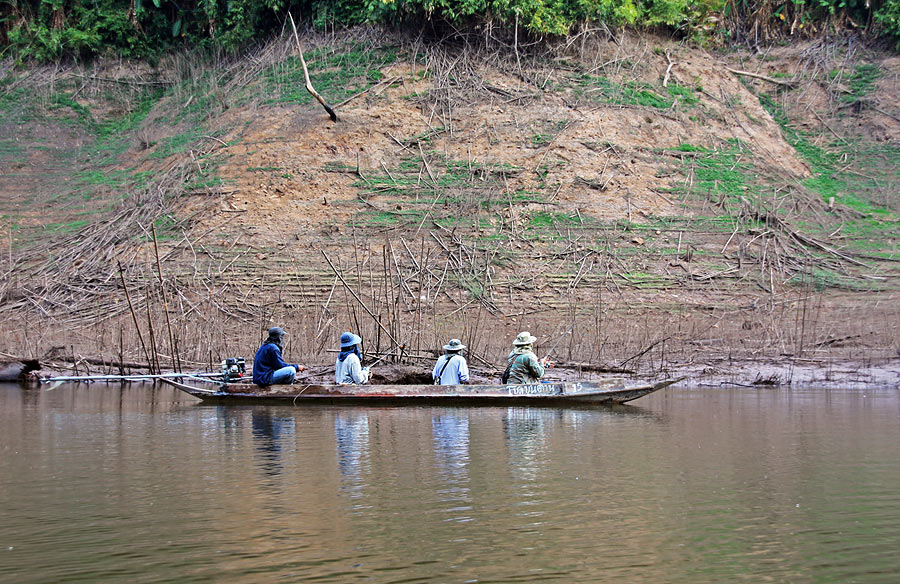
<point x="889" y="17"/>
<point x="49" y="29"/>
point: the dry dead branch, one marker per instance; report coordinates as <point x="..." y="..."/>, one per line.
<point x="309" y="86"/>
<point x="782" y="82"/>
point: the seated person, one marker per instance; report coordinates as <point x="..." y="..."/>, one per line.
<point x="451" y="368"/>
<point x="522" y="363"/>
<point x="268" y="367"/>
<point x="348" y="368"/>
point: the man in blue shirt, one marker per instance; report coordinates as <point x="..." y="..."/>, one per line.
<point x="451" y="369"/>
<point x="268" y="367"/>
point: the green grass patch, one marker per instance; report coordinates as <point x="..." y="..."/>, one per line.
<point x="132" y="118"/>
<point x="683" y="147"/>
<point x="723" y="174"/>
<point x="527" y="196"/>
<point x="684" y="95"/>
<point x="644" y="280"/>
<point x="175" y="144"/>
<point x="544" y="219"/>
<point x="821" y="279"/>
<point x="549" y="130"/>
<point x="205" y="181"/>
<point x="451" y="221"/>
<point x="386" y="219"/>
<point x="603" y="90"/>
<point x="454" y="193"/>
<point x="425" y="137"/>
<point x="167" y="228"/>
<point x="862" y="81"/>
<point x="82" y="113"/>
<point x="335" y="75"/>
<point x="9" y="148"/>
<point x="828" y="180"/>
<point x="111" y="178"/>
<point x="198" y="97"/>
<point x="82" y="184"/>
<point x="473" y="286"/>
<point x="67" y="226"/>
<point x="457" y="183"/>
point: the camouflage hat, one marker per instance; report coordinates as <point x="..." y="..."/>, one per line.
<point x="524" y="338"/>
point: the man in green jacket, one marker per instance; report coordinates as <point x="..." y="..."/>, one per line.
<point x="524" y="366"/>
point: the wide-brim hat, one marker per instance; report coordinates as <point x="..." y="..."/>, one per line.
<point x="349" y="339"/>
<point x="524" y="338"/>
<point x="276" y="332"/>
<point x="454" y="345"/>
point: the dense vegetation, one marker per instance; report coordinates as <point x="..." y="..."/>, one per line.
<point x="48" y="29"/>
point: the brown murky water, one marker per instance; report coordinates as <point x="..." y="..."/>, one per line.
<point x="105" y="484"/>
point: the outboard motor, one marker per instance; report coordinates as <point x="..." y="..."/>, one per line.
<point x="233" y="368"/>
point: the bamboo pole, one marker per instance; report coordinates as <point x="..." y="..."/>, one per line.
<point x="134" y="318"/>
<point x="357" y="298"/>
<point x="162" y="287"/>
<point x="155" y="353"/>
<point x="213" y="376"/>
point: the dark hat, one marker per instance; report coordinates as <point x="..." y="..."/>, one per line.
<point x="276" y="332"/>
<point x="349" y="339"/>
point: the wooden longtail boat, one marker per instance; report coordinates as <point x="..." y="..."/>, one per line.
<point x="609" y="391"/>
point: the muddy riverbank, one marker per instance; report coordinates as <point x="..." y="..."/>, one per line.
<point x="710" y="372"/>
<point x="707" y="372"/>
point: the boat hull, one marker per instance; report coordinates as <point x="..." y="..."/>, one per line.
<point x="612" y="391"/>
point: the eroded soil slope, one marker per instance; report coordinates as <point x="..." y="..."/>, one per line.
<point x="635" y="203"/>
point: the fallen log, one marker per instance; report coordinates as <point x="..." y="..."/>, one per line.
<point x="18" y="370"/>
<point x="110" y="363"/>
<point x="782" y="82"/>
<point x="593" y="367"/>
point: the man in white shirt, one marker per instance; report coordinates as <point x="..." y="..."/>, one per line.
<point x="348" y="369"/>
<point x="451" y="368"/>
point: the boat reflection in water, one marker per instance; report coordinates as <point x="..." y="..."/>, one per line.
<point x="351" y="433"/>
<point x="450" y="432"/>
<point x="270" y="432"/>
<point x="525" y="433"/>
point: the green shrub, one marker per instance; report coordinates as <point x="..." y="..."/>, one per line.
<point x="48" y="29"/>
<point x="888" y="16"/>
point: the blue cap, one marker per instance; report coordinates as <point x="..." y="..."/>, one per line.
<point x="349" y="339"/>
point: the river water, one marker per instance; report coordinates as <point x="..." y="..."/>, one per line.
<point x="139" y="484"/>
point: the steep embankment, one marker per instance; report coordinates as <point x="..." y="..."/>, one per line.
<point x="640" y="202"/>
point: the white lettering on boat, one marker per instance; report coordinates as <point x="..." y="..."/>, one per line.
<point x="534" y="389"/>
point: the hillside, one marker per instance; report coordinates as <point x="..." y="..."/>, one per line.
<point x="637" y="204"/>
